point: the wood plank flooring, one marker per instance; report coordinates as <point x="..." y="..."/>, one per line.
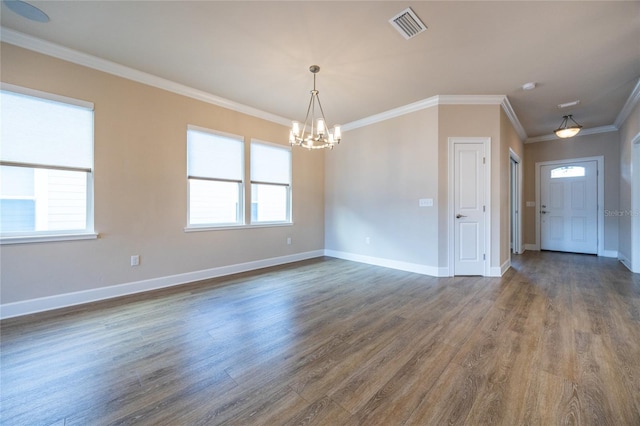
<point x="331" y="342"/>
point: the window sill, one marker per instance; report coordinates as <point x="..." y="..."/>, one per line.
<point x="231" y="227"/>
<point x="26" y="239"/>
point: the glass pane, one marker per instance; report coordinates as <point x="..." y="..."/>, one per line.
<point x="213" y="202"/>
<point x="567" y="172"/>
<point x="269" y="203"/>
<point x="214" y="156"/>
<point x="42" y="200"/>
<point x="270" y="163"/>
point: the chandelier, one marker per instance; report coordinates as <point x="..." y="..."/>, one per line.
<point x="566" y="130"/>
<point x="314" y="133"/>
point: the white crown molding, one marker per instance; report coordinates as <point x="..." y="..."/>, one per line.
<point x="631" y="103"/>
<point x="511" y="115"/>
<point x="55" y="50"/>
<point x="583" y="132"/>
<point x="501" y="100"/>
<point x="392" y="113"/>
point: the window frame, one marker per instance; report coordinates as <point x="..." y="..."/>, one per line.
<point x="88" y="232"/>
<point x="240" y="214"/>
<point x="288" y="186"/>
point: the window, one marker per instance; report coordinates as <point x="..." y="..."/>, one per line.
<point x="46" y="162"/>
<point x="567" y="172"/>
<point x="215" y="172"/>
<point x="270" y="183"/>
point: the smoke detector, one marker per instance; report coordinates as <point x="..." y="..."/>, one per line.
<point x="407" y="23"/>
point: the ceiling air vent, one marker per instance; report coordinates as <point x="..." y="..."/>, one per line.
<point x="407" y="23"/>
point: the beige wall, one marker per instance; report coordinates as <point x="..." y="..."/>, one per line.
<point x="373" y="183"/>
<point x="628" y="131"/>
<point x="471" y="121"/>
<point x="602" y="144"/>
<point x="141" y="188"/>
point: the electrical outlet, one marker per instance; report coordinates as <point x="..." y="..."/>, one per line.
<point x="367" y="240"/>
<point x="135" y="260"/>
<point x="288" y="240"/>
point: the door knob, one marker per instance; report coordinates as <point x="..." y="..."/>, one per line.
<point x="458" y="216"/>
<point x="543" y="212"/>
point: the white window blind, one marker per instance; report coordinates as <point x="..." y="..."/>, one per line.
<point x="215" y="156"/>
<point x="215" y="172"/>
<point x="270" y="164"/>
<point x="45" y="132"/>
<point x="270" y="183"/>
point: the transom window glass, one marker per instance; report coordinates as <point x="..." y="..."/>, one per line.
<point x="46" y="164"/>
<point x="270" y="183"/>
<point x="567" y="172"/>
<point x="215" y="168"/>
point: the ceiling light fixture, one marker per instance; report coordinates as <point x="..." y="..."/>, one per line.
<point x="314" y="134"/>
<point x="566" y="130"/>
<point x="27" y="10"/>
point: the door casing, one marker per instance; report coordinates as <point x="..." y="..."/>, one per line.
<point x="600" y="162"/>
<point x="486" y="142"/>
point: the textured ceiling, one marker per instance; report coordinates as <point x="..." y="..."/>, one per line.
<point x="258" y="53"/>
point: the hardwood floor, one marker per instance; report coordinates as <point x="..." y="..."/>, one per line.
<point x="330" y="342"/>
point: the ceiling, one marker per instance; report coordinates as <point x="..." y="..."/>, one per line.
<point x="258" y="53"/>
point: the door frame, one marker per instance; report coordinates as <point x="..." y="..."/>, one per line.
<point x="486" y="143"/>
<point x="635" y="204"/>
<point x="600" y="184"/>
<point x="515" y="204"/>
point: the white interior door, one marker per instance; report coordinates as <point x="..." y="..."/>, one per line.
<point x="569" y="207"/>
<point x="469" y="209"/>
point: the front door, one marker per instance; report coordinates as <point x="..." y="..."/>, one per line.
<point x="569" y="207"/>
<point x="469" y="209"/>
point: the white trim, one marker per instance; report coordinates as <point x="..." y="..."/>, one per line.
<point x="46" y="95"/>
<point x="584" y="132"/>
<point x="74" y="56"/>
<point x="635" y="204"/>
<point x="392" y="113"/>
<point x="600" y="183"/>
<point x="609" y="253"/>
<point x="42" y="304"/>
<point x="497" y="272"/>
<point x="532" y="247"/>
<point x="57" y="51"/>
<point x="626" y="262"/>
<point x="433" y="101"/>
<point x="26" y="239"/>
<point x="511" y="114"/>
<point x="519" y="237"/>
<point x="433" y="271"/>
<point x="236" y="227"/>
<point x="631" y="103"/>
<point x="486" y="143"/>
<point x="214" y="132"/>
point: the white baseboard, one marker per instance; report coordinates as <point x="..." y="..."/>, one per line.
<point x="533" y="247"/>
<point x="609" y="253"/>
<point x="389" y="263"/>
<point x="626" y="262"/>
<point x="42" y="304"/>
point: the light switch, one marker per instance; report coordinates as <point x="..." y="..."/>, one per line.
<point x="531" y="203"/>
<point x="425" y="202"/>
